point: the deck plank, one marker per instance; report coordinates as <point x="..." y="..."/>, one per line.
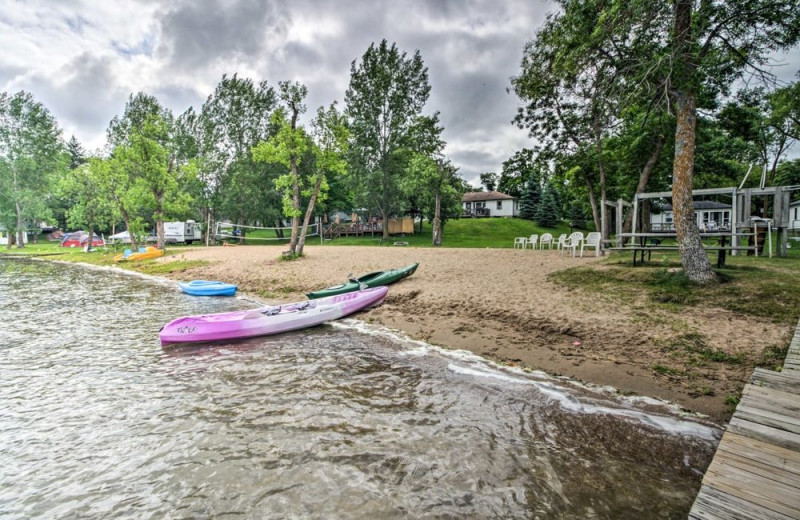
<point x="756" y="469"/>
<point x="716" y="504"/>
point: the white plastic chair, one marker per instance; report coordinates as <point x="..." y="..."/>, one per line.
<point x="562" y="241"/>
<point x="520" y="242"/>
<point x="592" y="240"/>
<point x="532" y="241"/>
<point x="573" y="242"/>
<point x="546" y="238"/>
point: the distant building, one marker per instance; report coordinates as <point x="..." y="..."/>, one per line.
<point x="489" y="204"/>
<point x="710" y="215"/>
<point x="794" y="215"/>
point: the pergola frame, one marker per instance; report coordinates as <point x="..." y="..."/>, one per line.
<point x="741" y="202"/>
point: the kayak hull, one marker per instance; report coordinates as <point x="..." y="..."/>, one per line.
<point x="376" y="279"/>
<point x="208" y="288"/>
<point x="150" y="252"/>
<point x="268" y="320"/>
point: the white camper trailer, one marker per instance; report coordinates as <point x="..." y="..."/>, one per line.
<point x="182" y="232"/>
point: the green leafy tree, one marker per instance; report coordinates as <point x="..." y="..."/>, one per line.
<point x="288" y="147"/>
<point x="516" y="171"/>
<point x="146" y="150"/>
<point x="91" y="206"/>
<point x="330" y="138"/>
<point x="233" y="120"/>
<point x="31" y="157"/>
<point x="431" y="179"/>
<point x="489" y="180"/>
<point x="387" y="91"/>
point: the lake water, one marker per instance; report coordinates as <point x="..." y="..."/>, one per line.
<point x="339" y="421"/>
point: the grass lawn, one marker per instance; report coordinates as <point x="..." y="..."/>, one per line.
<point x="764" y="287"/>
<point x="479" y="232"/>
<point x="100" y="256"/>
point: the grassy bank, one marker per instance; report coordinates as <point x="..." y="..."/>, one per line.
<point x="473" y="233"/>
<point x="103" y="256"/>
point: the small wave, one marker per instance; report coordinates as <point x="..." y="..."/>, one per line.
<point x="551" y="386"/>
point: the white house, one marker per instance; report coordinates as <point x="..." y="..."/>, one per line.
<point x="794" y="215"/>
<point x="4" y="237"/>
<point x="489" y="204"/>
<point x="711" y="216"/>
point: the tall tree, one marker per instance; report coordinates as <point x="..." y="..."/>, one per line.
<point x="531" y="196"/>
<point x="547" y="211"/>
<point x="516" y="171"/>
<point x="288" y="147"/>
<point x="330" y="136"/>
<point x="232" y="121"/>
<point x="144" y="142"/>
<point x="713" y="43"/>
<point x="387" y="91"/>
<point x="431" y="179"/>
<point x="489" y="180"/>
<point x="91" y="206"/>
<point x="77" y="154"/>
<point x="31" y="153"/>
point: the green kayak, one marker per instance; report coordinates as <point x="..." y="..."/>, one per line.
<point x="375" y="279"/>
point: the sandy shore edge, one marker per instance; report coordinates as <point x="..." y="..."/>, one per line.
<point x="501" y="304"/>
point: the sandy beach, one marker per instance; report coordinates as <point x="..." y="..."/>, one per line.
<point x="500" y="304"/>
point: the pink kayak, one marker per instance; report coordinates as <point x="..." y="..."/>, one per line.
<point x="268" y="320"/>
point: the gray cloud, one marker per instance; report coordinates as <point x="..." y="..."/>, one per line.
<point x="195" y="33"/>
<point x="83" y="95"/>
<point x="83" y="59"/>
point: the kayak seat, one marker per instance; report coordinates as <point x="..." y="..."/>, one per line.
<point x="142" y="249"/>
<point x="127" y="253"/>
<point x="272" y="311"/>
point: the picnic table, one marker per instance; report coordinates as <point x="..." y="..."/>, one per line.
<point x="644" y="243"/>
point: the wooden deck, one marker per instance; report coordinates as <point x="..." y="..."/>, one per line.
<point x="755" y="473"/>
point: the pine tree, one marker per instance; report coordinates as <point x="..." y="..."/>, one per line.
<point x="76" y="153"/>
<point x="547" y="212"/>
<point x="577" y="218"/>
<point x="530" y="199"/>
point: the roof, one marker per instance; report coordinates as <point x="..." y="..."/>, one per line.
<point x="479" y="196"/>
<point x="703" y="204"/>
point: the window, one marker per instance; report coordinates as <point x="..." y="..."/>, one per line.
<point x="499" y="204"/>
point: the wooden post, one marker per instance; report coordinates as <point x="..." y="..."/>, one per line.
<point x="734" y="223"/>
<point x="635" y="222"/>
<point x="620" y="219"/>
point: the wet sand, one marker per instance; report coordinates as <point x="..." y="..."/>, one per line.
<point x="500" y="304"/>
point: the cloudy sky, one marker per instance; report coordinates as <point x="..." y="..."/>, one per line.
<point x="83" y="58"/>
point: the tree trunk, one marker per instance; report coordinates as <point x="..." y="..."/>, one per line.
<point x="644" y="178"/>
<point x="160" y="221"/>
<point x="90" y="230"/>
<point x="385" y="233"/>
<point x="127" y="219"/>
<point x="20" y="228"/>
<point x="695" y="262"/>
<point x="295" y="206"/>
<point x="693" y="257"/>
<point x="437" y="221"/>
<point x="602" y="169"/>
<point x="592" y="201"/>
<point x="309" y="211"/>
